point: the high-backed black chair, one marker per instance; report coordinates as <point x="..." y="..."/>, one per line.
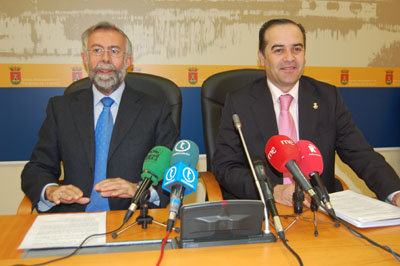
<point x="213" y="93"/>
<point x="156" y="86"/>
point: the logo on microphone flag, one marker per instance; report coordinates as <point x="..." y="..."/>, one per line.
<point x="182" y="146"/>
<point x="312" y="148"/>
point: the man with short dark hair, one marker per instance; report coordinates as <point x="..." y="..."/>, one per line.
<point x="286" y="102"/>
<point x="101" y="135"/>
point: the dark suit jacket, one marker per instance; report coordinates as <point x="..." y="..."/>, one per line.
<point x="330" y="127"/>
<point x="67" y="135"/>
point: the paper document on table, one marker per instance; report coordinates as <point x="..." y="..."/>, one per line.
<point x="65" y="230"/>
<point x="363" y="211"/>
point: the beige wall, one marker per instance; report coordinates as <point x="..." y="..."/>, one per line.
<point x="343" y="33"/>
<point x="392" y="156"/>
<point x="10" y="186"/>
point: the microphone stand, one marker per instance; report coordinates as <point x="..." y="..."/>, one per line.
<point x="298" y="199"/>
<point x="238" y="126"/>
<point x="143" y="219"/>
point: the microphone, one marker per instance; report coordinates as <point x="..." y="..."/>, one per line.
<point x="265" y="184"/>
<point x="154" y="165"/>
<point x="312" y="165"/>
<point x="238" y="126"/>
<point x="181" y="178"/>
<point x="284" y="156"/>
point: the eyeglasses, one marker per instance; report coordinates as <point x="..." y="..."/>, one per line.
<point x="113" y="52"/>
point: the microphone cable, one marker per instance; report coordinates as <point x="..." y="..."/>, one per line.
<point x="74" y="251"/>
<point x="162" y="247"/>
<point x="362" y="236"/>
<point x="293" y="252"/>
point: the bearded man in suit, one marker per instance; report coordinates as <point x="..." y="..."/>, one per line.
<point x="69" y="135"/>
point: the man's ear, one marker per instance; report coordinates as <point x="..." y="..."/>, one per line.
<point x="129" y="61"/>
<point x="261" y="57"/>
<point x="84" y="58"/>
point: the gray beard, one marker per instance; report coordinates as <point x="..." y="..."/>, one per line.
<point x="107" y="83"/>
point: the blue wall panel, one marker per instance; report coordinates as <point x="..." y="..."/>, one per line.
<point x="22" y="110"/>
<point x="191" y="123"/>
<point x="376" y="111"/>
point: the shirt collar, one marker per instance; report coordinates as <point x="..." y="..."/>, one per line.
<point x="116" y="95"/>
<point x="276" y="92"/>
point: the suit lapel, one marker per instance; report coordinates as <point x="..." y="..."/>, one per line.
<point x="263" y="108"/>
<point x="128" y="112"/>
<point x="308" y="111"/>
<point x="82" y="112"/>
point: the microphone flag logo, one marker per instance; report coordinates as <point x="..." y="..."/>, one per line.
<point x="271" y="152"/>
<point x="170" y="174"/>
<point x="182" y="146"/>
<point x="312" y="148"/>
<point x="188" y="175"/>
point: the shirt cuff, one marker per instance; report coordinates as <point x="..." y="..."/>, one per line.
<point x="154" y="198"/>
<point x="390" y="197"/>
<point x="44" y="205"/>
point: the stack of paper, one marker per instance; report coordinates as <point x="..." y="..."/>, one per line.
<point x="363" y="211"/>
<point x="65" y="230"/>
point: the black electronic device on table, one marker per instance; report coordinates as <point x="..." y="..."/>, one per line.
<point x="226" y="222"/>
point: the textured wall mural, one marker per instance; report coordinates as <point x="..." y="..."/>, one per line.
<point x="351" y="33"/>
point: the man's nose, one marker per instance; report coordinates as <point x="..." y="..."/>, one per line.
<point x="289" y="55"/>
<point x="106" y="57"/>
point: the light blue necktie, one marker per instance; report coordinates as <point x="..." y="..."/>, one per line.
<point x="103" y="132"/>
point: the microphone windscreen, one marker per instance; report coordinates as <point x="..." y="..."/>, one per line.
<point x="280" y="150"/>
<point x="155" y="164"/>
<point x="185" y="151"/>
<point x="311" y="158"/>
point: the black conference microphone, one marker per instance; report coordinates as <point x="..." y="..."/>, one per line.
<point x="238" y="126"/>
<point x="181" y="178"/>
<point x="312" y="165"/>
<point x="284" y="156"/>
<point x="265" y="184"/>
<point x="154" y="165"/>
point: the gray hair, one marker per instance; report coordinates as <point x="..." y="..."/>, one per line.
<point x="104" y="25"/>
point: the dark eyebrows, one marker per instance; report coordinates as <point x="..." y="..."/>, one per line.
<point x="276" y="46"/>
<point x="281" y="45"/>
